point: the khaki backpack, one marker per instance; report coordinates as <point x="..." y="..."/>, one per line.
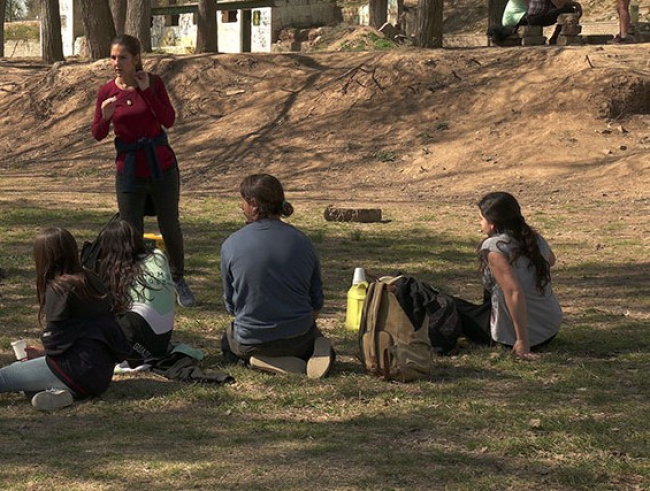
<point x="389" y="345"/>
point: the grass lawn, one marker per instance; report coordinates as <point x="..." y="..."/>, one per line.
<point x="575" y="419"/>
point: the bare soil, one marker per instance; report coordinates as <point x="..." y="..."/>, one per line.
<point x="401" y="125"/>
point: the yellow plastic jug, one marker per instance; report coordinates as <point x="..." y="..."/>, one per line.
<point x="356" y="296"/>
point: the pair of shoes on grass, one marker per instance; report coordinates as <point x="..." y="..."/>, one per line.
<point x="52" y="399"/>
<point x="317" y="366"/>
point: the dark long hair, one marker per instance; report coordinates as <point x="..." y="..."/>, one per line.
<point x="502" y="210"/>
<point x="56" y="257"/>
<point x="265" y="191"/>
<point x="132" y="45"/>
<point x="122" y="248"/>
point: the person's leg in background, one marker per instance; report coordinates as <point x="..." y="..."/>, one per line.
<point x="131" y="204"/>
<point x="475" y="320"/>
<point x="165" y="194"/>
<point x="550" y="18"/>
<point x="623" y="9"/>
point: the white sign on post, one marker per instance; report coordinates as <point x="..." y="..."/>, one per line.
<point x="66" y="11"/>
<point x="261" y="30"/>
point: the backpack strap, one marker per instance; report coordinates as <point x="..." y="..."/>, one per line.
<point x="368" y="334"/>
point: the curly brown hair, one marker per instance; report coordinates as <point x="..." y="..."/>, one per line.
<point x="122" y="248"/>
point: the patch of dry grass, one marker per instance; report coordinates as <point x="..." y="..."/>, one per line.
<point x="574" y="419"/>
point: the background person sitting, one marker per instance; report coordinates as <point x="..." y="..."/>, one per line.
<point x="272" y="285"/>
<point x="141" y="290"/>
<point x="545" y="13"/>
<point x="514" y="16"/>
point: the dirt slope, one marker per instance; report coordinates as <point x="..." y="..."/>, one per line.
<point x="405" y="125"/>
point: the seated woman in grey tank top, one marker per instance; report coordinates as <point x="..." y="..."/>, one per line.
<point x="520" y="309"/>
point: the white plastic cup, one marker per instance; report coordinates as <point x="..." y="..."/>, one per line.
<point x="19" y="349"/>
<point x="359" y="276"/>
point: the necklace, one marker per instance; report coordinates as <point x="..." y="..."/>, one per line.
<point x="126" y="88"/>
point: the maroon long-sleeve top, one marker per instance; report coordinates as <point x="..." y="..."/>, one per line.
<point x="138" y="114"/>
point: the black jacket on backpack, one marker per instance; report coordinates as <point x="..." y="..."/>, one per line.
<point x="418" y="298"/>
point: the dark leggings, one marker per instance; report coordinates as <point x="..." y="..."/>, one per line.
<point x="475" y="321"/>
<point x="164" y="195"/>
<point x="145" y="343"/>
<point x="299" y="346"/>
<point x="549" y="18"/>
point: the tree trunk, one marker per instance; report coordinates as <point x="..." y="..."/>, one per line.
<point x="495" y="12"/>
<point x="377" y="13"/>
<point x="206" y="41"/>
<point x="98" y="24"/>
<point x="3" y="10"/>
<point x="118" y="11"/>
<point x="138" y="22"/>
<point x="430" y="24"/>
<point x="51" y="26"/>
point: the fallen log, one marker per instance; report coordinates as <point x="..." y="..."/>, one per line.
<point x="362" y="215"/>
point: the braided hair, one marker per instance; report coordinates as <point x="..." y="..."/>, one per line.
<point x="502" y="210"/>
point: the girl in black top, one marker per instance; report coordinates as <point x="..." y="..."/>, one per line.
<point x="81" y="338"/>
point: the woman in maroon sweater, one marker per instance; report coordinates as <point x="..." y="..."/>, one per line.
<point x="137" y="104"/>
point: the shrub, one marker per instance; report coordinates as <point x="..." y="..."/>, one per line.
<point x="21" y="31"/>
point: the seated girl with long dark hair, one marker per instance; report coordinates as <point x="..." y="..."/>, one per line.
<point x="141" y="290"/>
<point x="81" y="338"/>
<point x="520" y="309"/>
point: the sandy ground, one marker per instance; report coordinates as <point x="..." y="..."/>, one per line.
<point x="402" y="125"/>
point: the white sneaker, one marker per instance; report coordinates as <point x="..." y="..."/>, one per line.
<point x="52" y="399"/>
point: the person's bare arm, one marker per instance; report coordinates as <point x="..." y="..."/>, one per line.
<point x="507" y="280"/>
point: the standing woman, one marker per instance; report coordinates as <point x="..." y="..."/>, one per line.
<point x="81" y="339"/>
<point x="272" y="285"/>
<point x="137" y="104"/>
<point x="520" y="310"/>
<point x="141" y="290"/>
